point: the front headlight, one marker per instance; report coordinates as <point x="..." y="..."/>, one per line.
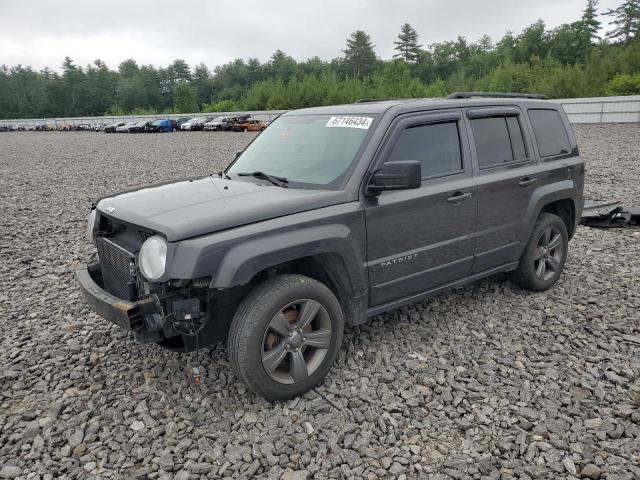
<point x="91" y="225"/>
<point x="153" y="257"/>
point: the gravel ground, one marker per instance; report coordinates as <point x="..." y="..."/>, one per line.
<point x="485" y="382"/>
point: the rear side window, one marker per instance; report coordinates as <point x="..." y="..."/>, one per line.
<point x="435" y="146"/>
<point x="498" y="140"/>
<point x="551" y="136"/>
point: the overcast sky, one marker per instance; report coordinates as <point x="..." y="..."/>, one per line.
<point x="42" y="33"/>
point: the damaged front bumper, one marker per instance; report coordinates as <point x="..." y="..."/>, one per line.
<point x="175" y="318"/>
<point x="131" y="316"/>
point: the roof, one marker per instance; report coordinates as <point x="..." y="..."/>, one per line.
<point x="408" y="104"/>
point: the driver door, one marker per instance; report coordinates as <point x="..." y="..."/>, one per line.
<point x="422" y="239"/>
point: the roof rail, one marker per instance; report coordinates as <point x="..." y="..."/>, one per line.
<point x="535" y="96"/>
<point x="370" y="100"/>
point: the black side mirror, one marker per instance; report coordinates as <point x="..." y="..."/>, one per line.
<point x="238" y="154"/>
<point x="400" y="175"/>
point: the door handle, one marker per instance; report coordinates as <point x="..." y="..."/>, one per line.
<point x="459" y="197"/>
<point x="526" y="181"/>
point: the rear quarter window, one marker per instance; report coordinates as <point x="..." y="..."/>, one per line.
<point x="549" y="132"/>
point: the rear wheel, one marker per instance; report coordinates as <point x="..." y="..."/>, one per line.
<point x="285" y="336"/>
<point x="544" y="256"/>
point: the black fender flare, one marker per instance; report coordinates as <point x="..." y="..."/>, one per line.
<point x="247" y="258"/>
<point x="552" y="192"/>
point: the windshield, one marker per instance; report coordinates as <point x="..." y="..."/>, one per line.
<point x="316" y="150"/>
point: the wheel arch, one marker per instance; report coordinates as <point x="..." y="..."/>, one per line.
<point x="566" y="210"/>
<point x="327" y="268"/>
<point x="558" y="198"/>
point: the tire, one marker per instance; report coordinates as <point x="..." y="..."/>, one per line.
<point x="275" y="306"/>
<point x="544" y="256"/>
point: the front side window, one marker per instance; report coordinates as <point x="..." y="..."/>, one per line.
<point x="498" y="140"/>
<point x="551" y="136"/>
<point x="310" y="151"/>
<point x="435" y="146"/>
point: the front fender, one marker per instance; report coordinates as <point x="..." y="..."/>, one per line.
<point x="243" y="261"/>
<point x="232" y="257"/>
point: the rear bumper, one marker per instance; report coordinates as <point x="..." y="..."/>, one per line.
<point x="125" y="314"/>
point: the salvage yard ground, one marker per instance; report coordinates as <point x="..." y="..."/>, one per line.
<point x="488" y="381"/>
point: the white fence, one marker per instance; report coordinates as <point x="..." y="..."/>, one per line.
<point x="602" y="109"/>
<point x="579" y="110"/>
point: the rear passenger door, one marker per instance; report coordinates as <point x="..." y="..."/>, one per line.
<point x="420" y="239"/>
<point x="506" y="174"/>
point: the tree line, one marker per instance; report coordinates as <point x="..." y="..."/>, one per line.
<point x="571" y="60"/>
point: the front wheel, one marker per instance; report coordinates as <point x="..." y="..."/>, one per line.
<point x="544" y="256"/>
<point x="285" y="336"/>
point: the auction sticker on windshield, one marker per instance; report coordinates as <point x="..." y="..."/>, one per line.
<point x="350" y="122"/>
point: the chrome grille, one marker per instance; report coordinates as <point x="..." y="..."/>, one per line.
<point x="115" y="263"/>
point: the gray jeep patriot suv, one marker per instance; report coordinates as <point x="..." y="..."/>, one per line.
<point x="335" y="214"/>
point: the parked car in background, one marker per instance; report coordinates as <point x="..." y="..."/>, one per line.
<point x="250" y="126"/>
<point x="199" y="124"/>
<point x="126" y="127"/>
<point x="188" y="124"/>
<point x="236" y="121"/>
<point x="159" y="126"/>
<point x="113" y="127"/>
<point x="181" y="121"/>
<point x="218" y="124"/>
<point x="139" y="127"/>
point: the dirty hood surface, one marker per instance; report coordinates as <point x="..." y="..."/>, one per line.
<point x="194" y="207"/>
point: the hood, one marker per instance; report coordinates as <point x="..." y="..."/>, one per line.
<point x="193" y="207"/>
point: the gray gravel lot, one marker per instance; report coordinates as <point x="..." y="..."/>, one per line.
<point x="486" y="382"/>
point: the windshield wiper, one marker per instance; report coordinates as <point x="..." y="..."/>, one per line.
<point x="278" y="181"/>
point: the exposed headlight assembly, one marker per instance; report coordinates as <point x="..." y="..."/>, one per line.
<point x="153" y="258"/>
<point x="91" y="225"/>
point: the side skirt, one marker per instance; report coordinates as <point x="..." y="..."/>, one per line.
<point x="443" y="288"/>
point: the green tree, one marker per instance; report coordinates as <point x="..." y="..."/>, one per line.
<point x="532" y="42"/>
<point x="624" y="84"/>
<point x="359" y="55"/>
<point x="185" y="98"/>
<point x="281" y="66"/>
<point x="485" y="45"/>
<point x="407" y="44"/>
<point x="590" y="23"/>
<point x="221" y="106"/>
<point x="201" y="81"/>
<point x="626" y="21"/>
<point x="568" y="43"/>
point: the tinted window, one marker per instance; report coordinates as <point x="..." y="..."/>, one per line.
<point x="517" y="142"/>
<point x="309" y="150"/>
<point x="498" y="140"/>
<point x="435" y="146"/>
<point x="550" y="133"/>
